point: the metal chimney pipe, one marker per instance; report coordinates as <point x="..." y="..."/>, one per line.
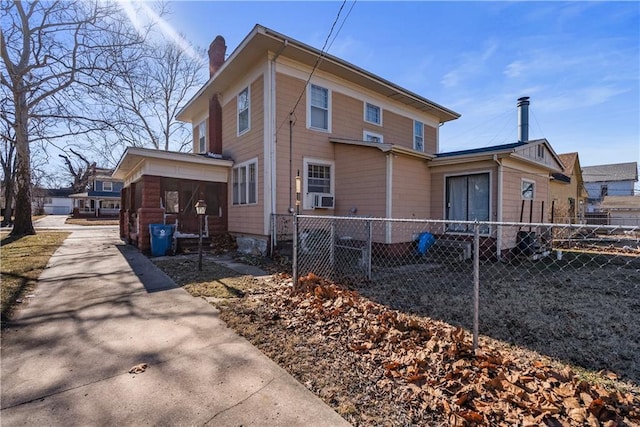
<point x="523" y="119"/>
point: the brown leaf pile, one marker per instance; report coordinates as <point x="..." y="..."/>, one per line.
<point x="430" y="366"/>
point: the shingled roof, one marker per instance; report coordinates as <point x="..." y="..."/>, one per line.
<point x="608" y="173"/>
<point x="568" y="160"/>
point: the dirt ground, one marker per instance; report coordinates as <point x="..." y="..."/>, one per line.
<point x="353" y="346"/>
<point x="587" y="317"/>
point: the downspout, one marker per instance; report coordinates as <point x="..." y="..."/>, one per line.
<point x="274" y="135"/>
<point x="500" y="206"/>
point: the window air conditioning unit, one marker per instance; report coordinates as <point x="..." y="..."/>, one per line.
<point x="322" y="201"/>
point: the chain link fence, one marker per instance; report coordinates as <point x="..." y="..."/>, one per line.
<point x="567" y="291"/>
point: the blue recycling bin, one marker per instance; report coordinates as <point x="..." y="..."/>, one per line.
<point x="425" y="241"/>
<point x="161" y="237"/>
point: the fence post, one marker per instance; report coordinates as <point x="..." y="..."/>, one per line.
<point x="369" y="248"/>
<point x="332" y="247"/>
<point x="476" y="283"/>
<point x="294" y="263"/>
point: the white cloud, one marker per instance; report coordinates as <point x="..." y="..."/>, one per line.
<point x="472" y="63"/>
<point x="514" y="69"/>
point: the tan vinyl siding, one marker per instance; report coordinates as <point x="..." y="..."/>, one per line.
<point x="512" y="196"/>
<point x="430" y="139"/>
<point x="359" y="186"/>
<point x="246" y="219"/>
<point x="438" y="185"/>
<point x="398" y="129"/>
<point x="348" y="119"/>
<point x="306" y="142"/>
<point x="411" y="188"/>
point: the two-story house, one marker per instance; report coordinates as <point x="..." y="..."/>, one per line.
<point x="609" y="180"/>
<point x="277" y="108"/>
<point x="102" y="198"/>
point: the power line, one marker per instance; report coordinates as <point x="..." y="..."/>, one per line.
<point x="318" y="59"/>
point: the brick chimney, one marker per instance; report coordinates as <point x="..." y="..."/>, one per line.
<point x="217" y="50"/>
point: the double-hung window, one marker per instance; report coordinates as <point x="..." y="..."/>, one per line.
<point x="319" y="116"/>
<point x="202" y="137"/>
<point x="107" y="186"/>
<point x="418" y="136"/>
<point x="243" y="111"/>
<point x="244" y="179"/>
<point x="372" y="114"/>
<point x="467" y="199"/>
<point x="318" y="179"/>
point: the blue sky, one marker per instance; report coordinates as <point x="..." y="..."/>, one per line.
<point x="578" y="61"/>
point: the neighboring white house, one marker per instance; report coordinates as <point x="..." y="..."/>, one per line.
<point x="53" y="201"/>
<point x="608" y="180"/>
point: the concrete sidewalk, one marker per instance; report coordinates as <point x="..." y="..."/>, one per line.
<point x="101" y="308"/>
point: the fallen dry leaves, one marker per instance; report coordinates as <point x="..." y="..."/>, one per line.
<point x="430" y="366"/>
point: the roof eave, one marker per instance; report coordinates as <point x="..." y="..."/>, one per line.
<point x="330" y="64"/>
<point x="384" y="147"/>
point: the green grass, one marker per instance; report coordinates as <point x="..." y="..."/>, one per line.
<point x="22" y="260"/>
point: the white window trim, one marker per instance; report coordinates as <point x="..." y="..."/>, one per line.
<point x="202" y="132"/>
<point x="329" y="108"/>
<point x="239" y="132"/>
<point x="306" y="198"/>
<point x="237" y="167"/>
<point x="110" y="185"/>
<point x="444" y="192"/>
<point x="414" y="135"/>
<point x="528" y="181"/>
<point x="540" y="151"/>
<point x="365" y="113"/>
<point x="368" y="133"/>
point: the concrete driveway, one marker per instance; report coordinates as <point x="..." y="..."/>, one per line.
<point x="100" y="308"/>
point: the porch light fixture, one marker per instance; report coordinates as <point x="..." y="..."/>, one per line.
<point x="201" y="209"/>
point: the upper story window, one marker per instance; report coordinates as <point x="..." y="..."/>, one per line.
<point x="418" y="135"/>
<point x="372" y="137"/>
<point x="107" y="186"/>
<point x="202" y="137"/>
<point x="243" y="111"/>
<point x="540" y="151"/>
<point x="245" y="183"/>
<point x="528" y="189"/>
<point x="372" y="114"/>
<point x="319" y="116"/>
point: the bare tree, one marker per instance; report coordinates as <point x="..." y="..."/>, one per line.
<point x="51" y="52"/>
<point x="152" y="85"/>
<point x="80" y="170"/>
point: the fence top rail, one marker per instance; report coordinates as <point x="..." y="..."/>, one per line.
<point x="631" y="228"/>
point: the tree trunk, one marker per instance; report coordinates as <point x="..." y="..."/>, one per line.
<point x="23" y="225"/>
<point x="8" y="198"/>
